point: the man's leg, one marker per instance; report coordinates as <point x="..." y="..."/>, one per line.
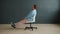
<point x="19" y="23"/>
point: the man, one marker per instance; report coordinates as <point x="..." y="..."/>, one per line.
<point x="29" y="17"/>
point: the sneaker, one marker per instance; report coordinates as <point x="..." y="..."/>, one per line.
<point x="13" y="25"/>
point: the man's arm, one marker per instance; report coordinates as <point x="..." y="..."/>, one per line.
<point x="30" y="15"/>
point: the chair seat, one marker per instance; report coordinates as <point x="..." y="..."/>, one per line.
<point x="30" y="21"/>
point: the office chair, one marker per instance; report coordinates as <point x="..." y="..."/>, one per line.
<point x="30" y="22"/>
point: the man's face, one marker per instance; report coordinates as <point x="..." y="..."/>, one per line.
<point x="32" y="7"/>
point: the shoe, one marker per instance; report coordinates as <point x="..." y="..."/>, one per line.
<point x="13" y="25"/>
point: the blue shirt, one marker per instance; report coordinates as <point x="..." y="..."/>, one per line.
<point x="31" y="15"/>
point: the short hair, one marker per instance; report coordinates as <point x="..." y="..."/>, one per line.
<point x="34" y="6"/>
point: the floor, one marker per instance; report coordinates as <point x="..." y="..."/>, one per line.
<point x="42" y="29"/>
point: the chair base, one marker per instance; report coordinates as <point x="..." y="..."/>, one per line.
<point x="30" y="28"/>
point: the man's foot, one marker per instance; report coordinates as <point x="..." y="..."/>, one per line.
<point x="13" y="25"/>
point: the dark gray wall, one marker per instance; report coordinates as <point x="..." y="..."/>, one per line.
<point x="14" y="10"/>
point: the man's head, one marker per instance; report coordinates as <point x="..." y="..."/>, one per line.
<point x="33" y="7"/>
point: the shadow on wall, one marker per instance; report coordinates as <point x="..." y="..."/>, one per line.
<point x="56" y="19"/>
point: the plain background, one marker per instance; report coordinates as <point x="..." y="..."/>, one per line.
<point x="13" y="10"/>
